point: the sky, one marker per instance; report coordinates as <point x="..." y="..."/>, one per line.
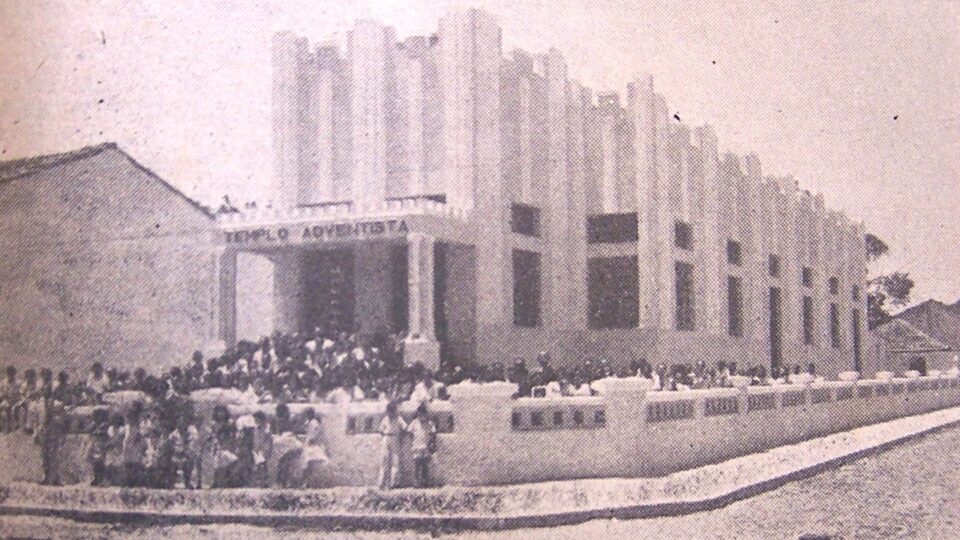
<point x="859" y="101"/>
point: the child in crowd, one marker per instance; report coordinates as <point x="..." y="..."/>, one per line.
<point x="99" y="442"/>
<point x="135" y="449"/>
<point x="113" y="455"/>
<point x="9" y="400"/>
<point x="262" y="451"/>
<point x="314" y="452"/>
<point x="423" y="433"/>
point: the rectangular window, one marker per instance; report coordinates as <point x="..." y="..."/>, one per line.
<point x="683" y="235"/>
<point x="612" y="228"/>
<point x="835" y="326"/>
<point x="808" y="320"/>
<point x="776" y="328"/>
<point x="857" y="341"/>
<point x="806" y="276"/>
<point x="734" y="254"/>
<point x="526" y="288"/>
<point x="525" y="220"/>
<point x="613" y="292"/>
<point x="855" y="293"/>
<point x="684" y="292"/>
<point x="834" y="285"/>
<point x="773" y="265"/>
<point x="734" y="306"/>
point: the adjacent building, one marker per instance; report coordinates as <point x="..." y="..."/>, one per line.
<point x="103" y="261"/>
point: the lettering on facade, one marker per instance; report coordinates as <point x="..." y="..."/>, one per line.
<point x="318" y="233"/>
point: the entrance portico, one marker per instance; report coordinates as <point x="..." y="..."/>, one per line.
<point x="337" y="271"/>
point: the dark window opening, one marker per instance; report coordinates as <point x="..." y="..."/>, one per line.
<point x="683" y="235"/>
<point x="807" y="320"/>
<point x="773" y="265"/>
<point x="834" y="285"/>
<point x="525" y="220"/>
<point x="734" y="253"/>
<point x="806" y="276"/>
<point x="776" y="329"/>
<point x="855" y="293"/>
<point x="857" y="341"/>
<point x="612" y="228"/>
<point x="685" y="318"/>
<point x="613" y="292"/>
<point x="734" y="306"/>
<point x="835" y="326"/>
<point x="526" y="288"/>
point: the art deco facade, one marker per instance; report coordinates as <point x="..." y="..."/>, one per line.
<point x="589" y="224"/>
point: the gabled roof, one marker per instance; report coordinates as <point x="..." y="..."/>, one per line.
<point x="16" y="168"/>
<point x="900" y="336"/>
<point x="20" y="168"/>
<point x="935" y="319"/>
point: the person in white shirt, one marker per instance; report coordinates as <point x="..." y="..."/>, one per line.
<point x="391" y="429"/>
<point x="426" y="390"/>
<point x="423" y="435"/>
<point x="97" y="382"/>
<point x="314" y="451"/>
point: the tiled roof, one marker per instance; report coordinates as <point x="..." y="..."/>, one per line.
<point x="936" y="320"/>
<point x="16" y="168"/>
<point x="901" y="336"/>
<point x="19" y="168"/>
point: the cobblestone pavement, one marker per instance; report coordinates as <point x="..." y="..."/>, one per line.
<point x="910" y="491"/>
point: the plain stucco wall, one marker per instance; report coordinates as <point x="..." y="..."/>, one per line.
<point x="105" y="263"/>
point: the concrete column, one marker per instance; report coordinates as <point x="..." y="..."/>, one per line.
<point x="715" y="290"/>
<point x="641" y="105"/>
<point x="227" y="297"/>
<point x="413" y="285"/>
<point x="421" y="344"/>
<point x="427" y="327"/>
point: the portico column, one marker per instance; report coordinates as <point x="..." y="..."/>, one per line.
<point x="413" y="285"/>
<point x="421" y="344"/>
<point x="427" y="325"/>
<point x="226" y="304"/>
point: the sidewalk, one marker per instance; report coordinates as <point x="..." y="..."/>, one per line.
<point x="501" y="507"/>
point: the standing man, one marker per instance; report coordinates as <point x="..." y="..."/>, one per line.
<point x="49" y="434"/>
<point x="391" y="430"/>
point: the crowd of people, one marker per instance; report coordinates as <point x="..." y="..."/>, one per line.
<point x="160" y="441"/>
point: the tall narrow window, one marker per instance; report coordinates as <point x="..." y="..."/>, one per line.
<point x="526" y="288"/>
<point x="685" y="319"/>
<point x="807" y="320"/>
<point x="834" y="285"/>
<point x="857" y="340"/>
<point x="734" y="253"/>
<point x="773" y="265"/>
<point x="835" y="326"/>
<point x="734" y="306"/>
<point x="806" y="276"/>
<point x="683" y="235"/>
<point x="855" y="293"/>
<point x="776" y="328"/>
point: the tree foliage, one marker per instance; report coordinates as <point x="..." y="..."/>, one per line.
<point x="876" y="247"/>
<point x="884" y="290"/>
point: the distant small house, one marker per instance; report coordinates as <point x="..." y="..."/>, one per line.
<point x="901" y="346"/>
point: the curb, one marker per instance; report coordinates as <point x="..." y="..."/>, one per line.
<point x="380" y="522"/>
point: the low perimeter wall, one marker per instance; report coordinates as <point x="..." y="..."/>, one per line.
<point x="487" y="437"/>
